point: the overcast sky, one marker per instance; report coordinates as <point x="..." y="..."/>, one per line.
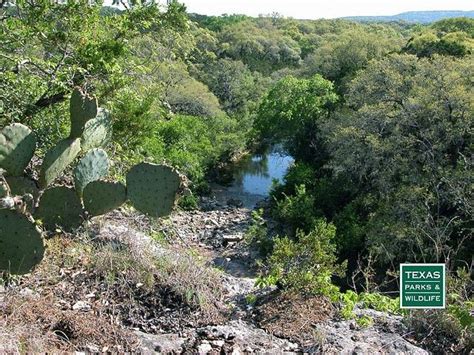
<point x="314" y="9"/>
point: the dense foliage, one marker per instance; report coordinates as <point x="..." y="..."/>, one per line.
<point x="379" y="119"/>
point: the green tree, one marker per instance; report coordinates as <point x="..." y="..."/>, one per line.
<point x="260" y="45"/>
<point x="339" y="56"/>
<point x="453" y="37"/>
<point x="408" y="145"/>
<point x="292" y="113"/>
<point x="47" y="48"/>
<point x="237" y="88"/>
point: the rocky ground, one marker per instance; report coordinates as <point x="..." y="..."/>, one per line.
<point x="90" y="295"/>
<point x="217" y="231"/>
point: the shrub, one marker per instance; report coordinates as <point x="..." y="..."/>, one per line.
<point x="257" y="234"/>
<point x="297" y="211"/>
<point x="450" y="330"/>
<point x="305" y="263"/>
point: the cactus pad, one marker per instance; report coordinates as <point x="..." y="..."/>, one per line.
<point x="3" y="190"/>
<point x="152" y="188"/>
<point x="20" y="186"/>
<point x="17" y="146"/>
<point x="58" y="159"/>
<point x="4" y="187"/>
<point x="101" y="197"/>
<point x="97" y="131"/>
<point x="82" y="108"/>
<point x="60" y="206"/>
<point x="21" y="245"/>
<point x="93" y="166"/>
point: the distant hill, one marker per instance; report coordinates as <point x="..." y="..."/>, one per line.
<point x="414" y="16"/>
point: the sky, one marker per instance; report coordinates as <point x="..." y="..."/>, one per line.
<point x="314" y="9"/>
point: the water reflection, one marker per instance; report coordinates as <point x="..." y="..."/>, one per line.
<point x="254" y="175"/>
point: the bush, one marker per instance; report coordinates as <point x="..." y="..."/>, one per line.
<point x="188" y="203"/>
<point x="297" y="211"/>
<point x="257" y="234"/>
<point x="191" y="144"/>
<point x="450" y="330"/>
<point x="194" y="144"/>
<point x="305" y="264"/>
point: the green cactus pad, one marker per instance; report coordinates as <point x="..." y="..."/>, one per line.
<point x="4" y="187"/>
<point x="20" y="186"/>
<point x="101" y="197"/>
<point x="17" y="146"/>
<point x="97" y="131"/>
<point x="152" y="188"/>
<point x="58" y="159"/>
<point x="82" y="108"/>
<point x="93" y="166"/>
<point x="21" y="245"/>
<point x="60" y="206"/>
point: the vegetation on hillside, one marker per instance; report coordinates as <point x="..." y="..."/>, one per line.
<point x="378" y="117"/>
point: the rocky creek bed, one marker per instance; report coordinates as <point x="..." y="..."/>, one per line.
<point x="217" y="231"/>
<point x="74" y="307"/>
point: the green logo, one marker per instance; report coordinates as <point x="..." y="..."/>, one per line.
<point x="422" y="286"/>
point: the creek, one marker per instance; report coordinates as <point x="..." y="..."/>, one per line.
<point x="253" y="177"/>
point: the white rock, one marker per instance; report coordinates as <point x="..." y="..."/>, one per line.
<point x="233" y="237"/>
<point x="218" y="343"/>
<point x="204" y="349"/>
<point x="81" y="306"/>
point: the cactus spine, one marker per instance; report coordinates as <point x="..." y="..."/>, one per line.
<point x="97" y="131"/>
<point x="82" y="109"/>
<point x="59" y="206"/>
<point x="101" y="197"/>
<point x="58" y="159"/>
<point x="21" y="243"/>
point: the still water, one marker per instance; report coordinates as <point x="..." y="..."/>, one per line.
<point x="253" y="177"/>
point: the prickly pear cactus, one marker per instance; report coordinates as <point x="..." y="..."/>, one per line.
<point x="17" y="146"/>
<point x="21" y="243"/>
<point x="93" y="166"/>
<point x="4" y="187"/>
<point x="97" y="131"/>
<point x="82" y="108"/>
<point x="20" y="186"/>
<point x="4" y="191"/>
<point x="58" y="159"/>
<point x="60" y="207"/>
<point x="101" y="197"/>
<point x="152" y="188"/>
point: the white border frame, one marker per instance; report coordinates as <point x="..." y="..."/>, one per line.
<point x="444" y="285"/>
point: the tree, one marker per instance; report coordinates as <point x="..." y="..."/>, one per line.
<point x="292" y="113"/>
<point x="407" y="143"/>
<point x="237" y="88"/>
<point x="454" y="37"/>
<point x="339" y="57"/>
<point x="260" y="45"/>
<point x="46" y="48"/>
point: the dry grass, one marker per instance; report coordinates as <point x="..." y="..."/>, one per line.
<point x="124" y="278"/>
<point x="39" y="324"/>
<point x="439" y="332"/>
<point x="293" y="316"/>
